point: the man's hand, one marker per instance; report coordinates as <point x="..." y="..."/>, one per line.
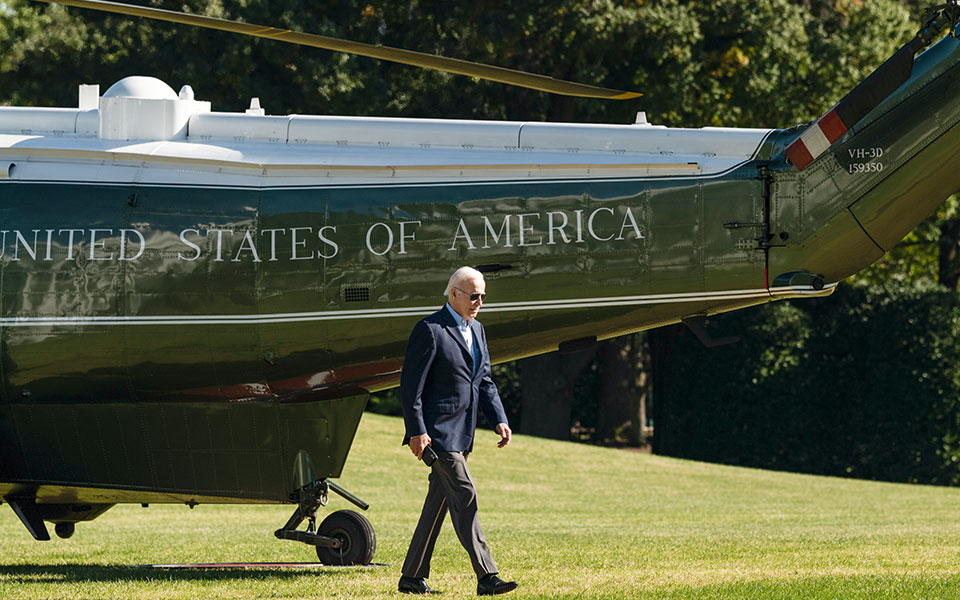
<point x="505" y="434"/>
<point x="418" y="443"/>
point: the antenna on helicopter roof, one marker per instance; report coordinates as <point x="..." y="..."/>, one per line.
<point x="255" y="109"/>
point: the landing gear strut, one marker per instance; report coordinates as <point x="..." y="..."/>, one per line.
<point x="344" y="538"/>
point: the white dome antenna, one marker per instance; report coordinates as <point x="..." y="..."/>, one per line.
<point x="138" y="86"/>
<point x="145" y="108"/>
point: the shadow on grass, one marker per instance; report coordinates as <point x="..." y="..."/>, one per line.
<point x="116" y="573"/>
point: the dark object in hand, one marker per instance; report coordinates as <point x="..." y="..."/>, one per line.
<point x="429" y="456"/>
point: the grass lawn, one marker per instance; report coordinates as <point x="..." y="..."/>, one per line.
<point x="566" y="520"/>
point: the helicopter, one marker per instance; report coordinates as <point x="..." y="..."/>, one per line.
<point x="195" y="306"/>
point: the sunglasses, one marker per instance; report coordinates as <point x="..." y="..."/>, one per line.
<point x="473" y="297"/>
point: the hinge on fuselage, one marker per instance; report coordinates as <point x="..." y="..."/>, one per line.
<point x="764" y="239"/>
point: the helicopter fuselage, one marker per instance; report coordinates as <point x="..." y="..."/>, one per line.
<point x="214" y="295"/>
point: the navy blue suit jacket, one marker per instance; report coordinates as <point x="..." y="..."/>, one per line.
<point x="439" y="391"/>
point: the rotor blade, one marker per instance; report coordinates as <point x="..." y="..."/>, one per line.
<point x="873" y="90"/>
<point x="407" y="57"/>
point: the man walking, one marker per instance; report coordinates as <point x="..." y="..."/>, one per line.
<point x="446" y="377"/>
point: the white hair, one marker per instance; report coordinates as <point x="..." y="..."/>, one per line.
<point x="459" y="276"/>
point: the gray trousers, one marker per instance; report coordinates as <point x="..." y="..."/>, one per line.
<point x="451" y="487"/>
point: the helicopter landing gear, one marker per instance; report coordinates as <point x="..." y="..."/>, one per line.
<point x="344" y="538"/>
<point x="355" y="537"/>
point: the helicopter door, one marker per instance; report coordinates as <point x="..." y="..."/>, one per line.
<point x="734" y="229"/>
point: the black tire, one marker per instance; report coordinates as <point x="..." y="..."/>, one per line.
<point x="357" y="540"/>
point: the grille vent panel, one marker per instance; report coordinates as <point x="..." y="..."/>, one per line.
<point x="355" y="293"/>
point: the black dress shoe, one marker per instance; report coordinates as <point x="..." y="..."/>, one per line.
<point x="491" y="585"/>
<point x="414" y="585"/>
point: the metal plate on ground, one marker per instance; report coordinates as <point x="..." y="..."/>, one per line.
<point x="247" y="565"/>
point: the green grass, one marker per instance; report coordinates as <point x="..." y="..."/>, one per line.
<point x="566" y="520"/>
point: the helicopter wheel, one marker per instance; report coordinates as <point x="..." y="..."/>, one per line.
<point x="64" y="530"/>
<point x="355" y="533"/>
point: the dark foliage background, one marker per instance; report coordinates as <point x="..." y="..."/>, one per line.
<point x="863" y="384"/>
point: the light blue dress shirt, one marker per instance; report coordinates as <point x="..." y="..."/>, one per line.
<point x="467" y="334"/>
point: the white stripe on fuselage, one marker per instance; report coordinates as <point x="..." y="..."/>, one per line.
<point x="415" y="311"/>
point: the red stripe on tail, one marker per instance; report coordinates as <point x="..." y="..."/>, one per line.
<point x="798" y="154"/>
<point x="832" y="126"/>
